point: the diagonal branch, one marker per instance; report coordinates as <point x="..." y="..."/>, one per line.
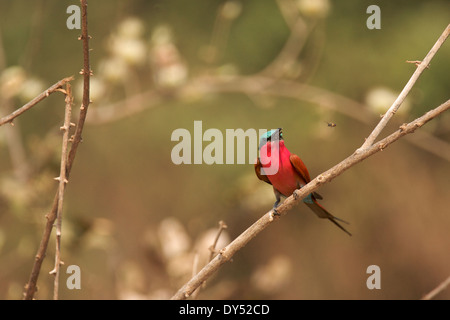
<point x="441" y="287"/>
<point x="396" y="105"/>
<point x="227" y="253"/>
<point x="56" y="87"/>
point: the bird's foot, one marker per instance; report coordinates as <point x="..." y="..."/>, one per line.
<point x="273" y="213"/>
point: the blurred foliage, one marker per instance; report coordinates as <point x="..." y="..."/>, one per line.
<point x="137" y="224"/>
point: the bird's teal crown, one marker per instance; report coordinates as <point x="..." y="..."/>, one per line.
<point x="270" y="135"/>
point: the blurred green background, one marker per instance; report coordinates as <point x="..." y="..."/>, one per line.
<point x="138" y="225"/>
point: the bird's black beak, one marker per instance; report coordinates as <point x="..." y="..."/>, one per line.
<point x="280" y="133"/>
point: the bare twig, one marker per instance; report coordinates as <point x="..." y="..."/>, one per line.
<point x="393" y="109"/>
<point x="227" y="253"/>
<point x="62" y="183"/>
<point x="441" y="287"/>
<point x="56" y="87"/>
<point x="86" y="72"/>
<point x="30" y="287"/>
<point x="212" y="249"/>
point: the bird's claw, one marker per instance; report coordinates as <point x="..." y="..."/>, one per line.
<point x="273" y="213"/>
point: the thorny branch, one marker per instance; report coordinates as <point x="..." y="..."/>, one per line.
<point x="62" y="182"/>
<point x="54" y="88"/>
<point x="393" y="109"/>
<point x="30" y="287"/>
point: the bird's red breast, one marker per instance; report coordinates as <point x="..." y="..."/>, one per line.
<point x="287" y="178"/>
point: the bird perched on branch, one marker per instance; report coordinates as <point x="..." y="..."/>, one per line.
<point x="286" y="172"/>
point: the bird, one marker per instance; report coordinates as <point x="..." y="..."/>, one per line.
<point x="291" y="174"/>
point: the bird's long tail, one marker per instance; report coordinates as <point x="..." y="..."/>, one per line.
<point x="323" y="213"/>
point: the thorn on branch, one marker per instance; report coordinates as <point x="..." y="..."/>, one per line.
<point x="61" y="90"/>
<point x="417" y="63"/>
<point x="403" y="127"/>
<point x="61" y="263"/>
<point x="59" y="179"/>
<point x="82" y="72"/>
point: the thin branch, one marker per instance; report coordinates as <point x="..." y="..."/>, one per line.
<point x="86" y="72"/>
<point x="212" y="249"/>
<point x="441" y="287"/>
<point x="62" y="183"/>
<point x="227" y="253"/>
<point x="56" y="87"/>
<point x="30" y="287"/>
<point x="396" y="105"/>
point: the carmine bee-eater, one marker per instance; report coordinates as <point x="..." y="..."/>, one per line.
<point x="290" y="173"/>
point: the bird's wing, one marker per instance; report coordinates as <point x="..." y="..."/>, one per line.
<point x="300" y="167"/>
<point x="258" y="168"/>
